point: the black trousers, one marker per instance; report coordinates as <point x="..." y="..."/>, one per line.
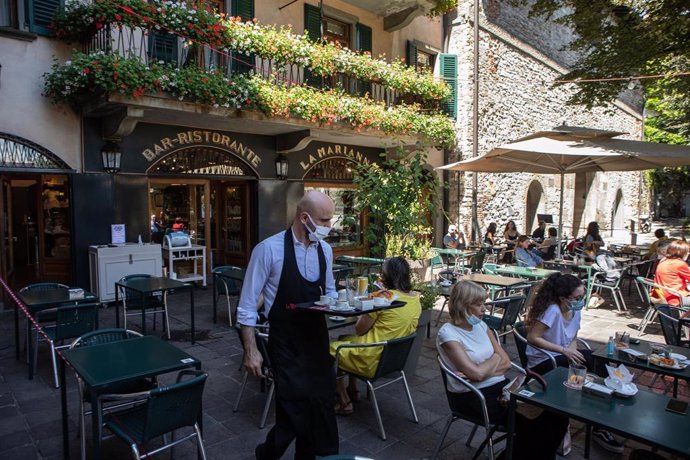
<point x="291" y="416"/>
<point x="535" y="439"/>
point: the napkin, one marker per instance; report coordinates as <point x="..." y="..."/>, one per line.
<point x="620" y="379"/>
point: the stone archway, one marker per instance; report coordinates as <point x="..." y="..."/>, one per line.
<point x="535" y="203"/>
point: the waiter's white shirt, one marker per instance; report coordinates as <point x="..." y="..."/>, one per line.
<point x="266" y="266"/>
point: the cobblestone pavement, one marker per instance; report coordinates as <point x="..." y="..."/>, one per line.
<point x="30" y="410"/>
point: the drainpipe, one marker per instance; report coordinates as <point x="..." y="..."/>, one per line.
<point x="475" y="121"/>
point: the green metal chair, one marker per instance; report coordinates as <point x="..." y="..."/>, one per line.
<point x="614" y="286"/>
<point x="437" y="263"/>
<point x="71" y="321"/>
<point x="101" y="337"/>
<point x="48" y="317"/>
<point x="164" y="410"/>
<point x="391" y="362"/>
<point x="512" y="306"/>
<point x="230" y="282"/>
<point x="156" y="304"/>
<point x="261" y="335"/>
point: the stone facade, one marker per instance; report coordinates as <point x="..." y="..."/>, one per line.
<point x="517" y="98"/>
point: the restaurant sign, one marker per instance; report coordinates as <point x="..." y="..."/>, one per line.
<point x="343" y="151"/>
<point x="185" y="139"/>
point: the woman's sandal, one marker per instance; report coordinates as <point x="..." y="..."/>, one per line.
<point x="344" y="409"/>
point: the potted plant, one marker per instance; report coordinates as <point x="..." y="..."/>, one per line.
<point x="401" y="197"/>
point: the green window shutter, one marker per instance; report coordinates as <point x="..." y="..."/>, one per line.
<point x="243" y="9"/>
<point x="364" y="43"/>
<point x="312" y="25"/>
<point x="449" y="73"/>
<point x="312" y="21"/>
<point x="41" y="14"/>
<point x="411" y="53"/>
<point x="242" y="63"/>
<point x="163" y="47"/>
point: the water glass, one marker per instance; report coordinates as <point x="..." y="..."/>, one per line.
<point x="576" y="376"/>
<point x="622" y="340"/>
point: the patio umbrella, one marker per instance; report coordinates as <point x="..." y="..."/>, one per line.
<point x="570" y="149"/>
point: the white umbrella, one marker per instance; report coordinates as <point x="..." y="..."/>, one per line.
<point x="568" y="150"/>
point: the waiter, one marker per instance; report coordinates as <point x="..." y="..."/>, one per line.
<point x="292" y="267"/>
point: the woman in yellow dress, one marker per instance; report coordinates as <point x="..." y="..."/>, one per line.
<point x="376" y="327"/>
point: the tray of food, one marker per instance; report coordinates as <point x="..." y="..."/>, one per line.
<point x="666" y="362"/>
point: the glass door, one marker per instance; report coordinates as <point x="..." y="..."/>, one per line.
<point x="55" y="242"/>
<point x="235" y="216"/>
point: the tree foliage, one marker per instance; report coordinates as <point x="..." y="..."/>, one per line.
<point x="627" y="38"/>
<point x="401" y="196"/>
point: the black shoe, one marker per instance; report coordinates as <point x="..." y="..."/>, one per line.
<point x="607" y="441"/>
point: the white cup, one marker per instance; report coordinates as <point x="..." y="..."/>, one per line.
<point x="342" y="294"/>
<point x="325" y="300"/>
<point x="342" y="305"/>
<point x="367" y="305"/>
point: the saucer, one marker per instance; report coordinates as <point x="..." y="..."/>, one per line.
<point x="631" y="388"/>
<point x="337" y="319"/>
<point x="322" y="304"/>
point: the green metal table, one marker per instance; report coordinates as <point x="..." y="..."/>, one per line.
<point x="147" y="287"/>
<point x="644" y="347"/>
<point x="535" y="273"/>
<point x="101" y="366"/>
<point x="458" y="255"/>
<point x="503" y="282"/>
<point x="37" y="301"/>
<point x="363" y="265"/>
<point x="642" y="417"/>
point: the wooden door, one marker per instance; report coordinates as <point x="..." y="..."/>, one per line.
<point x="6" y="234"/>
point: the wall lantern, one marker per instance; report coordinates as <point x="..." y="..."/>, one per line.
<point x="282" y="167"/>
<point x="111" y="153"/>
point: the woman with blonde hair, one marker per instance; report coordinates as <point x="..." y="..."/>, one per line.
<point x="469" y="348"/>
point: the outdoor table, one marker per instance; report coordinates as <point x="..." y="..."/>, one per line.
<point x="588" y="268"/>
<point x="146" y="287"/>
<point x="458" y="255"/>
<point x="642" y="417"/>
<point x="536" y="273"/>
<point x="363" y="264"/>
<point x="37" y="301"/>
<point x="644" y="347"/>
<point x="504" y="282"/>
<point x="101" y="366"/>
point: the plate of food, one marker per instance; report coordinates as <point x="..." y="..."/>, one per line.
<point x="678" y="356"/>
<point x="625" y="390"/>
<point x="382" y="297"/>
<point x="668" y="363"/>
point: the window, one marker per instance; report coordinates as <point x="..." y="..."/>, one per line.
<point x="336" y="32"/>
<point x="37" y="14"/>
<point x="425" y="61"/>
<point x="346" y="226"/>
<point x="420" y="56"/>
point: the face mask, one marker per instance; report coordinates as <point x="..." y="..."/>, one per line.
<point x="576" y="305"/>
<point x="473" y="320"/>
<point x="320" y="231"/>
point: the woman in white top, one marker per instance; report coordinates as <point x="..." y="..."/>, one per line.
<point x="553" y="322"/>
<point x="469" y="348"/>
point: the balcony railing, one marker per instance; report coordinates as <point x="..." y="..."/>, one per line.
<point x="151" y="46"/>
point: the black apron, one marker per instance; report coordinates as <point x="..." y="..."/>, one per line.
<point x="302" y="365"/>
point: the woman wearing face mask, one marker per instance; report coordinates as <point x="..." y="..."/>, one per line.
<point x="553" y="323"/>
<point x="469" y="348"/>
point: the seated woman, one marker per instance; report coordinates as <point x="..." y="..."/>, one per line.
<point x="673" y="272"/>
<point x="593" y="238"/>
<point x="525" y="256"/>
<point x="376" y="327"/>
<point x="490" y="235"/>
<point x="553" y="323"/>
<point x="469" y="348"/>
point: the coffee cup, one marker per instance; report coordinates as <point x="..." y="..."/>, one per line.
<point x="342" y="305"/>
<point x="324" y="300"/>
<point x="342" y="294"/>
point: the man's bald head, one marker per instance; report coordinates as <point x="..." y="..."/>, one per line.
<point x="313" y="202"/>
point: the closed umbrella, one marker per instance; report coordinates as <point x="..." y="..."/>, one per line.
<point x="569" y="150"/>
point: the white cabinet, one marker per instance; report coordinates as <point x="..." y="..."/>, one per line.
<point x="194" y="253"/>
<point x="108" y="264"/>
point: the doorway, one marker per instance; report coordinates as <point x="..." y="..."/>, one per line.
<point x="35" y="232"/>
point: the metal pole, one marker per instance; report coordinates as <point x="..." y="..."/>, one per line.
<point x="475" y="121"/>
<point x="560" y="220"/>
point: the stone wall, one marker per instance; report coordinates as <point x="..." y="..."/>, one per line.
<point x="517" y="98"/>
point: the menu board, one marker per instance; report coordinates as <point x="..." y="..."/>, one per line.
<point x="117" y="234"/>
